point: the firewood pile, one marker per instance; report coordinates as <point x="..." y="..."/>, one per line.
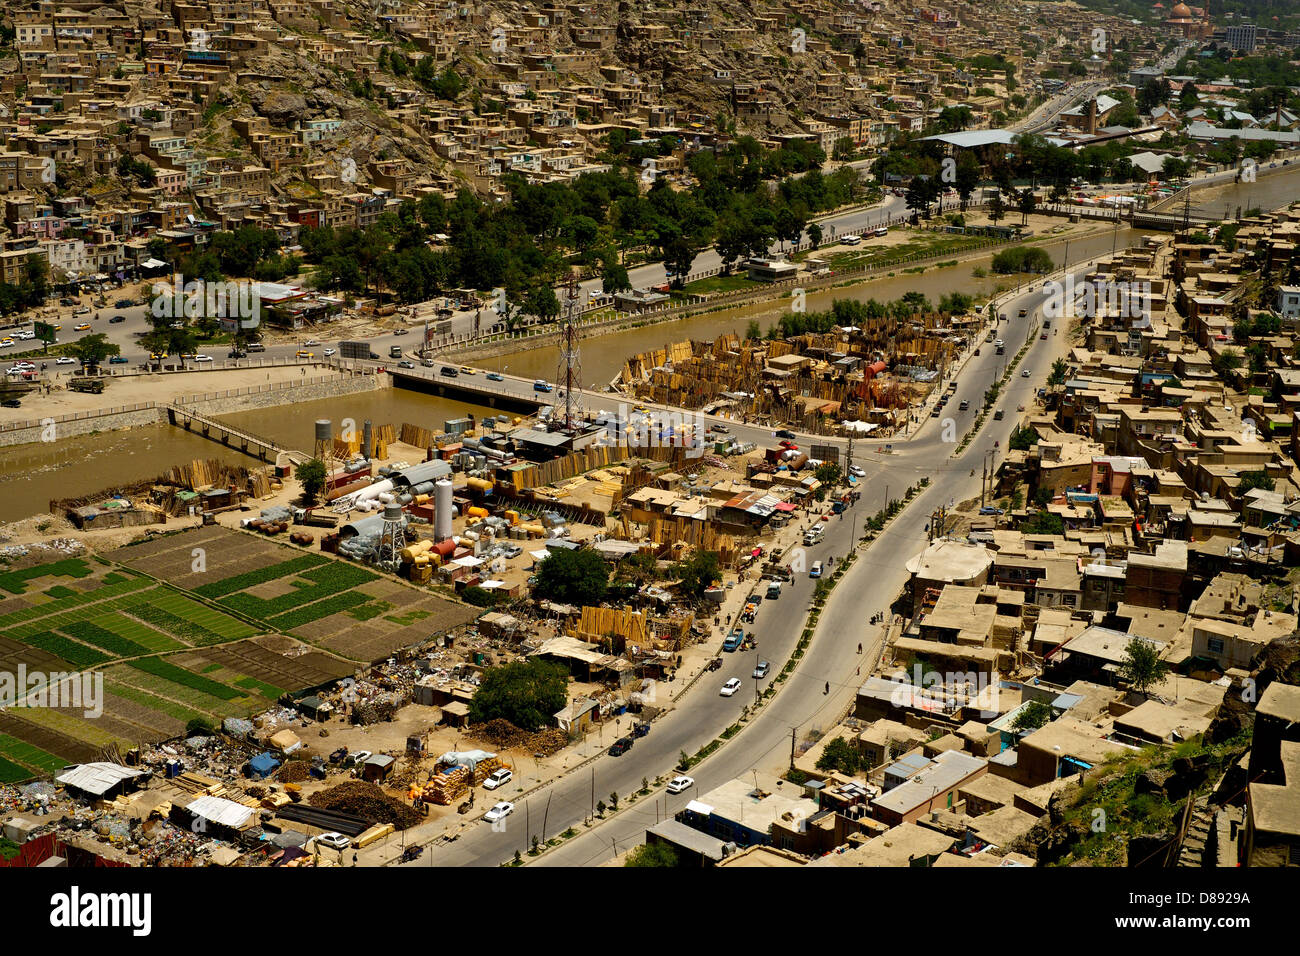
<point x="367" y="801"/>
<point x="503" y="735"/>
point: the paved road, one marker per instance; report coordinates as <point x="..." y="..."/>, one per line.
<point x="874" y="581"/>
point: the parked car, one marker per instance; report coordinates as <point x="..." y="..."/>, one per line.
<point x="761" y="670"/>
<point x="498" y="778"/>
<point x="620" y="746"/>
<point x="730" y="687"/>
<point x="513" y="551"/>
<point x="360" y="757"/>
<point x="499" y="811"/>
<point x="990" y="510"/>
<point x="12" y="403"/>
<point x="640" y="729"/>
<point x="678" y="784"/>
<point x="335" y="841"/>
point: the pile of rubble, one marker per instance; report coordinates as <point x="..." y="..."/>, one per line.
<point x="381" y="707"/>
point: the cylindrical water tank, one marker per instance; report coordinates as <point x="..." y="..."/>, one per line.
<point x="393" y="512"/>
<point x="324" y="429"/>
<point x="442" y="510"/>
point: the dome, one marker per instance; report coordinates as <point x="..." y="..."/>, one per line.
<point x="1181" y="11"/>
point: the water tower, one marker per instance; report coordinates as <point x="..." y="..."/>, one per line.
<point x="392" y="539"/>
<point x="324" y="446"/>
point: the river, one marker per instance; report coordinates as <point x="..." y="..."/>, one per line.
<point x="31" y="475"/>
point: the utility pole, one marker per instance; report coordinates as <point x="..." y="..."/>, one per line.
<point x="792" y="730"/>
<point x="984" y="477"/>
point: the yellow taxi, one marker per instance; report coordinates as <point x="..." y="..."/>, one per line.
<point x="303" y="353"/>
<point x="466" y="370"/>
<point x="158" y="356"/>
<point x="83" y="327"/>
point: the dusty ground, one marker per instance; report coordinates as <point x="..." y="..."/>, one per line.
<point x="162" y="387"/>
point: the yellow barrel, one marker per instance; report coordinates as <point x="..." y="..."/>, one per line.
<point x="534" y="529"/>
<point x="479" y="484"/>
<point x="512" y="517"/>
<point x="477" y="512"/>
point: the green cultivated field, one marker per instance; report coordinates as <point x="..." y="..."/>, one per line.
<point x="171" y="654"/>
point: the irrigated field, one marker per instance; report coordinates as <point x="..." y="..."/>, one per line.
<point x="204" y="624"/>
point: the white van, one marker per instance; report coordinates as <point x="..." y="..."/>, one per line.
<point x="850" y="240"/>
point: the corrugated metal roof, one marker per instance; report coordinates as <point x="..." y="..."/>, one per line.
<point x="97" y="778"/>
<point x="220" y="811"/>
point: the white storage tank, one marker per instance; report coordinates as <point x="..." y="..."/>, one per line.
<point x="442" y="510"/>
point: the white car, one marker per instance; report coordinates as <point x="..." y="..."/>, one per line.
<point x="678" y="784"/>
<point x="310" y="343"/>
<point x="498" y="778"/>
<point x="65" y="360"/>
<point x="6" y="343"/>
<point x="335" y="841"/>
<point x="202" y="358"/>
<point x="858" y="471"/>
<point x="84" y="310"/>
<point x="499" y="812"/>
<point x="329" y="352"/>
<point x="1025" y="374"/>
<point x="360" y="757"/>
<point x="730" y="687"/>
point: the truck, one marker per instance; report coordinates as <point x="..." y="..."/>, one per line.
<point x="394" y="351"/>
<point x="315" y="518"/>
<point x="773" y="590"/>
<point x="93" y="385"/>
<point x="733" y="640"/>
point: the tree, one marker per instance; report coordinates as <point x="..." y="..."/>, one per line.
<point x="752" y="331"/>
<point x="698" y="572"/>
<point x="652" y="854"/>
<point x="839" y="754"/>
<point x="91" y="350"/>
<point x="1059" y="368"/>
<point x="828" y="473"/>
<point x="573" y="577"/>
<point x="843" y="149"/>
<point x="1142" y="666"/>
<point x="1034" y="715"/>
<point x="1023" y="439"/>
<point x="1025" y="202"/>
<point x="311" y="475"/>
<point x="527" y="693"/>
<point x="1042" y="522"/>
<point x="814" y="232"/>
<point x="1226" y="362"/>
<point x="1250" y="480"/>
<point x="997" y="208"/>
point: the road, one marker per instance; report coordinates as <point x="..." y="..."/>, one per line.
<point x="871" y="585"/>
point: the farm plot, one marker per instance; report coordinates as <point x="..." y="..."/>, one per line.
<point x="31" y="728"/>
<point x="332" y="582"/>
<point x="18" y="581"/>
<point x="20" y="760"/>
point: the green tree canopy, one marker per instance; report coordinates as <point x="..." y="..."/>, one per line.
<point x="573" y="577"/>
<point x="526" y="693"/>
<point x="1142" y="666"/>
<point x="311" y="475"/>
<point x="698" y="572"/>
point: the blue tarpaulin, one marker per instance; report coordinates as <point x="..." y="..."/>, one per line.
<point x="263" y="765"/>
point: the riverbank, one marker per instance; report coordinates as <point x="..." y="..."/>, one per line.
<point x="140" y="400"/>
<point x="1046" y="229"/>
